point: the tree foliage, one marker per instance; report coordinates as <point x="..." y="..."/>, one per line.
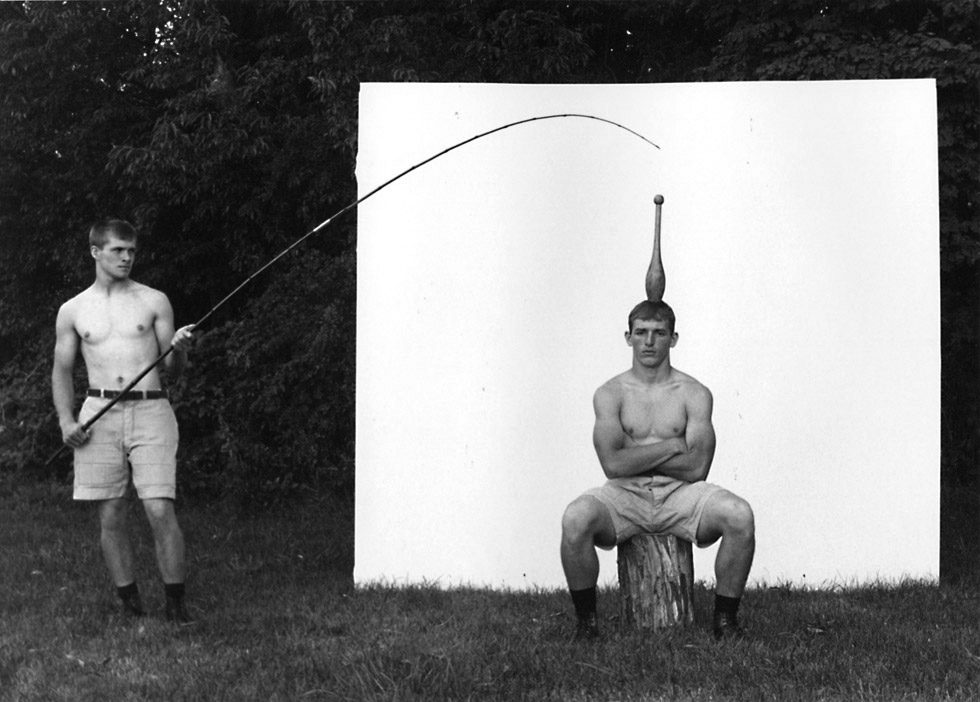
<point x="224" y="130"/>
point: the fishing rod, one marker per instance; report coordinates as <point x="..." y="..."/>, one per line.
<point x="324" y="223"/>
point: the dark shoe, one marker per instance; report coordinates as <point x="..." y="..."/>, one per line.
<point x="726" y="627"/>
<point x="587" y="628"/>
<point x="133" y="605"/>
<point x="176" y="612"/>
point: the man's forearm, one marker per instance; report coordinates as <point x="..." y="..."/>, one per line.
<point x="691" y="466"/>
<point x="63" y="395"/>
<point x="175" y="362"/>
<point x="645" y="458"/>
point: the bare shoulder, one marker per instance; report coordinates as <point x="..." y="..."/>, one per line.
<point x="146" y="290"/>
<point x="69" y="308"/>
<point x="611" y="392"/>
<point x="156" y="299"/>
<point x="693" y="389"/>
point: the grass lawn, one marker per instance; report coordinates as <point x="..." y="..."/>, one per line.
<point x="280" y="621"/>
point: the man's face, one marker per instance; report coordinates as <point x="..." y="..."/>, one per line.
<point x="117" y="257"/>
<point x="651" y="341"/>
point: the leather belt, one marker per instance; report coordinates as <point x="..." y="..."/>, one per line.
<point x="131" y="395"/>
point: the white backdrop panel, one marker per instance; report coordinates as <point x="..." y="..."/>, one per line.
<point x="801" y="246"/>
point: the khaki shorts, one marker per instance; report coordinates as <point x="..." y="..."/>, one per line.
<point x="655" y="505"/>
<point x="142" y="432"/>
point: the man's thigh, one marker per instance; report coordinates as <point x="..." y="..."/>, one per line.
<point x="153" y="450"/>
<point x="605" y="534"/>
<point x="588" y="515"/>
<point x="717" y="509"/>
<point x="101" y="471"/>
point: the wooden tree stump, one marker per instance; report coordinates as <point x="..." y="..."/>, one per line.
<point x="656" y="582"/>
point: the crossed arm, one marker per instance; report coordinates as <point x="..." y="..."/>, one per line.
<point x="686" y="458"/>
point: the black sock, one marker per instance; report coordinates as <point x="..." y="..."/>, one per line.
<point x="127" y="592"/>
<point x="130" y="596"/>
<point x="727" y="605"/>
<point x="584" y="601"/>
<point x="174" y="590"/>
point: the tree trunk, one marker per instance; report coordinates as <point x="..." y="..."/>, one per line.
<point x="656" y="582"/>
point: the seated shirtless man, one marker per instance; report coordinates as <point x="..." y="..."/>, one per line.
<point x="121" y="327"/>
<point x="655" y="442"/>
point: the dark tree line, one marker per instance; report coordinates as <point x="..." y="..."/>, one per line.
<point x="224" y="130"/>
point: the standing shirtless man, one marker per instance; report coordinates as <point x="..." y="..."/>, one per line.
<point x="122" y="327"/>
<point x="655" y="441"/>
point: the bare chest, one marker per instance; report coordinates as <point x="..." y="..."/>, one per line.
<point x="108" y="320"/>
<point x="653" y="415"/>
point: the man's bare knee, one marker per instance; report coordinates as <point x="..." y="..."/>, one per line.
<point x="736" y="516"/>
<point x="112" y="515"/>
<point x="578" y="517"/>
<point x="159" y="512"/>
<point x="726" y="515"/>
<point x="586" y="519"/>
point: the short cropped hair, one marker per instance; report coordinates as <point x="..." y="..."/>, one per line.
<point x="653" y="309"/>
<point x="98" y="235"/>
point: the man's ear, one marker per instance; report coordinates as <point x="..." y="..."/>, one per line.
<point x="93" y="250"/>
<point x="626" y="335"/>
<point x="673" y="339"/>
